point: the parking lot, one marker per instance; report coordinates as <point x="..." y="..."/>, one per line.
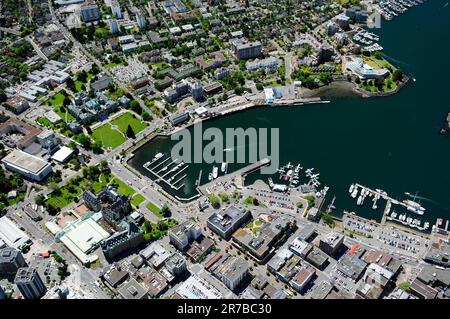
<point x="402" y="242"/>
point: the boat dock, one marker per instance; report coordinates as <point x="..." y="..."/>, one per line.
<point x="378" y="194"/>
<point x="239" y="173"/>
<point x="161" y="170"/>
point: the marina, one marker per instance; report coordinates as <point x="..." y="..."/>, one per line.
<point x="403" y="207"/>
<point x="167" y="173"/>
<point x="390" y="9"/>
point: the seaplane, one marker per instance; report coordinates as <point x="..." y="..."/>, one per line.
<point x="315" y="176"/>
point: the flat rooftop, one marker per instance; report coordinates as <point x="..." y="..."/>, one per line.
<point x="25" y="162"/>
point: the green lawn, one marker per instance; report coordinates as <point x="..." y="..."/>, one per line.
<point x="137" y="200"/>
<point x="123" y="188"/>
<point x="78" y="85"/>
<point x="99" y="185"/>
<point x="65" y="115"/>
<point x="63" y="199"/>
<point x="126" y="119"/>
<point x="57" y="99"/>
<point x="108" y="136"/>
<point x="44" y="121"/>
<point x="154" y="209"/>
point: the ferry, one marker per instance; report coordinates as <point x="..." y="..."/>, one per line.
<point x="215" y="172"/>
<point x="224" y="167"/>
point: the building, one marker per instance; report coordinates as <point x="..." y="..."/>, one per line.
<point x="341" y="38"/>
<point x="317" y="258"/>
<point x="114" y="276"/>
<point x="179" y="118"/>
<point x="212" y="88"/>
<point x="47" y="140"/>
<point x="363" y="71"/>
<point x="351" y="266"/>
<point x="11" y="260"/>
<point x="232" y="271"/>
<point x="81" y="237"/>
<point x="113" y="26"/>
<point x="183" y="234"/>
<point x="141" y="21"/>
<point x="331" y="243"/>
<point x="11" y="234"/>
<point x="300" y="247"/>
<point x="321" y="290"/>
<point x="270" y="235"/>
<point x="176" y="265"/>
<point x="15" y="133"/>
<point x="17" y="104"/>
<point x="113" y="205"/>
<point x="226" y="222"/>
<point x="89" y="13"/>
<point x="332" y="28"/>
<point x="244" y="50"/>
<point x="63" y="155"/>
<point x="130" y="237"/>
<point x="155" y="254"/>
<point x="132" y="290"/>
<point x="196" y="287"/>
<point x="357" y="14"/>
<point x="343" y="22"/>
<point x="30" y="283"/>
<point x="221" y="73"/>
<point x="270" y="64"/>
<point x="155" y="283"/>
<point x="87" y="110"/>
<point x="302" y="278"/>
<point x="29" y="166"/>
<point x="2" y="292"/>
<point x="115" y="9"/>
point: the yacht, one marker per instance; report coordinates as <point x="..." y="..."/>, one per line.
<point x="224" y="167"/>
<point x="355" y="192"/>
<point x="350" y="190"/>
<point x="157" y="156"/>
<point x="210" y="176"/>
<point x="215" y="172"/>
<point x="360" y="199"/>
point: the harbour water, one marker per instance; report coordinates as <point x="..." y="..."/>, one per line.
<point x="391" y="143"/>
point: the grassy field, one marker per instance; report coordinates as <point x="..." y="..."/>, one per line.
<point x="154" y="209"/>
<point x="65" y="115"/>
<point x="78" y="85"/>
<point x="64" y="198"/>
<point x="57" y="99"/>
<point x="126" y="119"/>
<point x="123" y="188"/>
<point x="108" y="136"/>
<point x="137" y="200"/>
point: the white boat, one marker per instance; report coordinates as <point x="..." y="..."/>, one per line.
<point x="360" y="199"/>
<point x="157" y="156"/>
<point x="215" y="172"/>
<point x="415" y="210"/>
<point x="350" y="190"/>
<point x="355" y="192"/>
<point x="210" y="176"/>
<point x="224" y="167"/>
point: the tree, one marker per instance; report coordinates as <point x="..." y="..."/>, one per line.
<point x="39" y="199"/>
<point x="397" y="75"/>
<point x="165" y="210"/>
<point x="146" y="116"/>
<point x="66" y="101"/>
<point x="130" y="132"/>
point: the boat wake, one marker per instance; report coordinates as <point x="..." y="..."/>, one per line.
<point x="445" y="5"/>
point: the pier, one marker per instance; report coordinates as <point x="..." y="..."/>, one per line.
<point x="239" y="173"/>
<point x="377" y="194"/>
<point x="178" y="169"/>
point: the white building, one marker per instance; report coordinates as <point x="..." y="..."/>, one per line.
<point x="11" y="234"/>
<point x="28" y="165"/>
